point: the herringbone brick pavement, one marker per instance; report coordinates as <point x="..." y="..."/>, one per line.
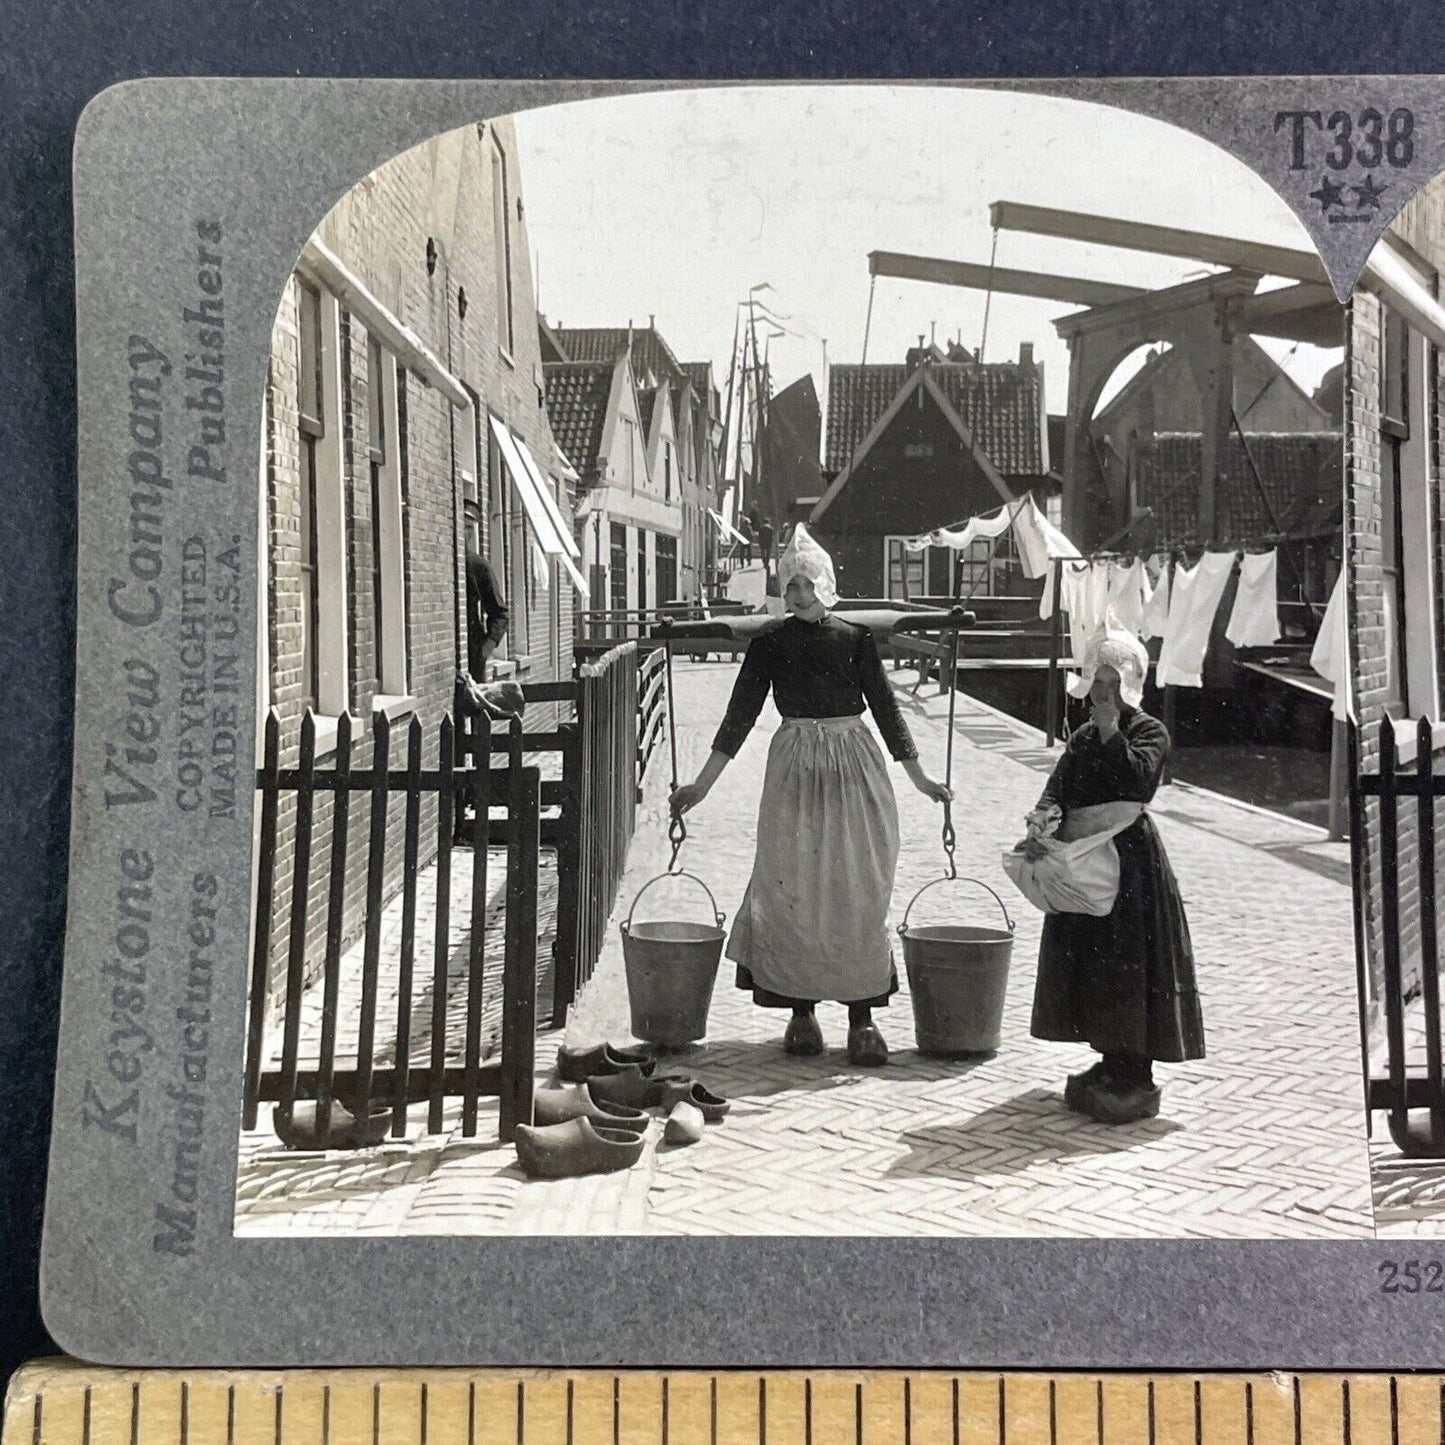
<point x="1264" y="1138"/>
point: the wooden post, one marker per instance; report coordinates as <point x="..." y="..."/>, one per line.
<point x="1051" y="676"/>
<point x="519" y="969"/>
<point x="1339" y="781"/>
<point x="1167" y="774"/>
<point x="1218" y="409"/>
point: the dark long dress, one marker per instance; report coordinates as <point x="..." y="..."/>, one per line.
<point x="1124" y="983"/>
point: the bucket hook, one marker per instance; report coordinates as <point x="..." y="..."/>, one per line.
<point x="676" y="828"/>
<point x="902" y="927"/>
<point x="680" y="873"/>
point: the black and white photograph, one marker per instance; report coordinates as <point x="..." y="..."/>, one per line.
<point x="816" y="679"/>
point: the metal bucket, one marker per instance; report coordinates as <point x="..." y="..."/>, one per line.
<point x="671" y="968"/>
<point x="957" y="980"/>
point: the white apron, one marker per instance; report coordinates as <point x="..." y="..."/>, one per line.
<point x="813" y="923"/>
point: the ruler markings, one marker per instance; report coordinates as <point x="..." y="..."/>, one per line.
<point x="83" y="1405"/>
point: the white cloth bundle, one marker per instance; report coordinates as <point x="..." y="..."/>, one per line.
<point x="1079" y="872"/>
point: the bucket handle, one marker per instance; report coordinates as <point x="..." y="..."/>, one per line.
<point x="679" y="874"/>
<point x="902" y="927"/>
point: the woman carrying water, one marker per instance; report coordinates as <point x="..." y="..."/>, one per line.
<point x="1121" y="981"/>
<point x="813" y="921"/>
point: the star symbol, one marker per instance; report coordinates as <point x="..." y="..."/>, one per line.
<point x="1330" y="193"/>
<point x="1369" y="194"/>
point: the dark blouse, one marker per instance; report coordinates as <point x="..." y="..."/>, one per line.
<point x="1124" y="769"/>
<point x="815" y="669"/>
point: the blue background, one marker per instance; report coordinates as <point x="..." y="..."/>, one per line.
<point x="55" y="57"/>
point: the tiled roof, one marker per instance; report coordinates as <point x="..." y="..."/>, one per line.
<point x="999" y="402"/>
<point x="646" y="402"/>
<point x="602" y="343"/>
<point x="577" y="395"/>
<point x="1301" y="474"/>
<point x="699" y="373"/>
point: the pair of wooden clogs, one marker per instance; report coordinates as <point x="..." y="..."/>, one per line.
<point x="596" y="1120"/>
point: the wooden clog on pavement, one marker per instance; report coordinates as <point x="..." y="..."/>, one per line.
<point x="576" y="1066"/>
<point x="684" y="1125"/>
<point x="575" y="1101"/>
<point x="575" y="1148"/>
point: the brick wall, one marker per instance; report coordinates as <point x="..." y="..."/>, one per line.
<point x="442" y="192"/>
<point x="1422" y="224"/>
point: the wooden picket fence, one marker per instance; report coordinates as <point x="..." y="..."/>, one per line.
<point x="604" y="755"/>
<point x="1404" y="1088"/>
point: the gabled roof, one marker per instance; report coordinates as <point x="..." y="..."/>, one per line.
<point x="577" y="397"/>
<point x="1251" y="359"/>
<point x="602" y="343"/>
<point x="551" y="343"/>
<point x="700" y="374"/>
<point x="1000" y="403"/>
<point x="646" y="403"/>
<point x="922" y="380"/>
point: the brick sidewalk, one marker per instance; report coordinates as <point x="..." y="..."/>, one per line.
<point x="1265" y="1138"/>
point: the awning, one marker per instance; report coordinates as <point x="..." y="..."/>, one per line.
<point x="730" y="532"/>
<point x="554" y="512"/>
<point x="547" y="524"/>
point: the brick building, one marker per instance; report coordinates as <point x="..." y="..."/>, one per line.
<point x="1395" y="524"/>
<point x="404" y="377"/>
<point x="640" y="429"/>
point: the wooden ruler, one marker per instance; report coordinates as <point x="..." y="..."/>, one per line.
<point x="65" y="1403"/>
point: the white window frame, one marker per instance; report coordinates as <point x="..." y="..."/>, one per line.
<point x="502" y="229"/>
<point x="333" y="682"/>
<point x="922" y="557"/>
<point x="1418" y="537"/>
<point x="394" y="673"/>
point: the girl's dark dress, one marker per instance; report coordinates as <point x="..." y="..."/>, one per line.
<point x="1124" y="984"/>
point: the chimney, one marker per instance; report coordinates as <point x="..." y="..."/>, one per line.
<point x="1026" y="353"/>
<point x="652" y="320"/>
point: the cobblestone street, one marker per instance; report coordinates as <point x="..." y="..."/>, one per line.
<point x="1264" y="1138"/>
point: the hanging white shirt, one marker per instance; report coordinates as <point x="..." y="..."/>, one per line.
<point x="1254" y="620"/>
<point x="1156" y="609"/>
<point x="1128" y="592"/>
<point x="1086" y="600"/>
<point x="1197" y="591"/>
<point x="1330" y="656"/>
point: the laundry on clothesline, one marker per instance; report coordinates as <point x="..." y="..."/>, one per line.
<point x="1129" y="594"/>
<point x="1194" y="601"/>
<point x="1039" y="542"/>
<point x="1156" y="610"/>
<point x="1086" y="600"/>
<point x="1254" y="620"/>
<point x="1330" y="656"/>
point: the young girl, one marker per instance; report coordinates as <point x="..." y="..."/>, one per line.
<point x="813" y="921"/>
<point x="1123" y="983"/>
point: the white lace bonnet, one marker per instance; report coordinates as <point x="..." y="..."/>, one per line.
<point x="1113" y="646"/>
<point x="803" y="557"/>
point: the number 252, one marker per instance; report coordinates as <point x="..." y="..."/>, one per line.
<point x="1411" y="1276"/>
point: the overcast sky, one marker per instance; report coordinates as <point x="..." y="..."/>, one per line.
<point x="674" y="205"/>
